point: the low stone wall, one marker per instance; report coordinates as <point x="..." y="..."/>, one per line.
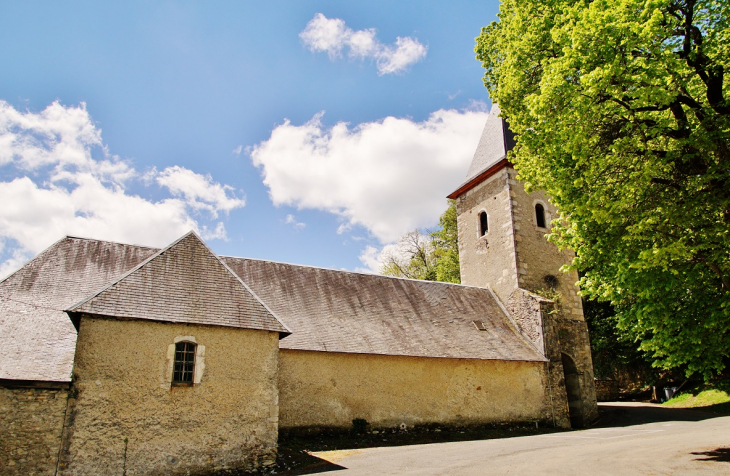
<point x="327" y="389"/>
<point x="31" y="422"/>
<point x="607" y="390"/>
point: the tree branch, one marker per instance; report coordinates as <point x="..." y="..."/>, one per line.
<point x="725" y="281"/>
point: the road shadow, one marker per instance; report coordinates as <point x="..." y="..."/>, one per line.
<point x="620" y="414"/>
<point x="295" y="449"/>
<point x="289" y="462"/>
<point x="718" y="454"/>
<point x="296" y="458"/>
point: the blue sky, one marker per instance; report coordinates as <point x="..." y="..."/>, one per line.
<point x="305" y="132"/>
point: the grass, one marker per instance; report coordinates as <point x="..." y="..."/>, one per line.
<point x="712" y="397"/>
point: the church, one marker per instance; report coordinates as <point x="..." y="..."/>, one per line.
<point x="133" y="360"/>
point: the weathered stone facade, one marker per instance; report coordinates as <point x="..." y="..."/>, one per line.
<point x="126" y="418"/>
<point x="31" y="421"/>
<point x="514" y="258"/>
<point x="388" y="391"/>
<point x="607" y="390"/>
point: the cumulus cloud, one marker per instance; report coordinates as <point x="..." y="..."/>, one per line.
<point x="65" y="182"/>
<point x="199" y="191"/>
<point x="290" y="220"/>
<point x="374" y="258"/>
<point x="390" y="176"/>
<point x="331" y="35"/>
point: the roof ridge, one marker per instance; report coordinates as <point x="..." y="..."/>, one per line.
<point x="36" y="257"/>
<point x="111" y="241"/>
<point x="279" y="327"/>
<point x="238" y="278"/>
<point x="347" y="271"/>
<point x="128" y="273"/>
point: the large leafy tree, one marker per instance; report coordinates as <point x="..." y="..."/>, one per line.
<point x="622" y="115"/>
<point x="432" y="256"/>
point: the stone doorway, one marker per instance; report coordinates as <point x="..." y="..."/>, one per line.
<point x="572" y="389"/>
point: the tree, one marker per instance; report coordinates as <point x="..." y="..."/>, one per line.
<point x="432" y="257"/>
<point x="621" y="114"/>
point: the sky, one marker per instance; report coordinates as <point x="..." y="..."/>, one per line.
<point x="315" y="133"/>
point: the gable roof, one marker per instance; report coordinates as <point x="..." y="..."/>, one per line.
<point x="339" y="311"/>
<point x="327" y="310"/>
<point x="37" y="338"/>
<point x="184" y="283"/>
<point x="497" y="139"/>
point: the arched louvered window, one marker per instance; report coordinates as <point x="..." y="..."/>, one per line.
<point x="184" y="365"/>
<point x="483" y="224"/>
<point x="540" y="215"/>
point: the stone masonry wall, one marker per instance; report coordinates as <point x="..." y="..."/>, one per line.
<point x="574" y="341"/>
<point x="537" y="257"/>
<point x="607" y="390"/>
<point x="31" y="421"/>
<point x="487" y="260"/>
<point x="126" y="418"/>
<point x="327" y="389"/>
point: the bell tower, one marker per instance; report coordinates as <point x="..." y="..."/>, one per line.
<point x="502" y="245"/>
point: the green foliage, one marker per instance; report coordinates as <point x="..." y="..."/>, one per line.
<point x="713" y="397"/>
<point x="622" y="116"/>
<point x="446" y="247"/>
<point x="431" y="257"/>
<point x="615" y="352"/>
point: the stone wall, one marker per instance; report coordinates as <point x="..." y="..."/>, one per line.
<point x="487" y="260"/>
<point x="320" y="389"/>
<point x="537" y="258"/>
<point x="31" y="421"/>
<point x="607" y="390"/>
<point x="515" y="259"/>
<point x="574" y="342"/>
<point x="126" y="418"/>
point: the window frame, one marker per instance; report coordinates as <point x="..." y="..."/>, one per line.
<point x="543" y="215"/>
<point x="483" y="228"/>
<point x="189" y="352"/>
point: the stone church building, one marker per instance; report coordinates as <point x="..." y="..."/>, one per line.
<point x="123" y="359"/>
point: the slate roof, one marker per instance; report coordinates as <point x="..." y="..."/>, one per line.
<point x="36" y="336"/>
<point x="339" y="311"/>
<point x="497" y="139"/>
<point x="186" y="283"/>
<point x="326" y="310"/>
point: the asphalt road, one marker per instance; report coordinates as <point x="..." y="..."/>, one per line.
<point x="630" y="439"/>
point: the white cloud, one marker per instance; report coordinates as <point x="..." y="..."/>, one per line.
<point x="67" y="183"/>
<point x="200" y="192"/>
<point x="290" y="220"/>
<point x="373" y="258"/>
<point x="344" y="227"/>
<point x="237" y="150"/>
<point x="390" y="176"/>
<point x="331" y="35"/>
<point x="58" y="136"/>
<point x="400" y="252"/>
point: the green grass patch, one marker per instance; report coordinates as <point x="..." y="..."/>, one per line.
<point x="713" y="397"/>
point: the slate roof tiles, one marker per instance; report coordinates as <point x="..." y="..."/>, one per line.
<point x="339" y="311"/>
<point x="36" y="336"/>
<point x="186" y="283"/>
<point x="326" y="310"/>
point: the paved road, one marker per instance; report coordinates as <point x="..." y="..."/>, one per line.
<point x="632" y="438"/>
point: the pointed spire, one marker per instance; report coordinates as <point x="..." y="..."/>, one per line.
<point x="497" y="139"/>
